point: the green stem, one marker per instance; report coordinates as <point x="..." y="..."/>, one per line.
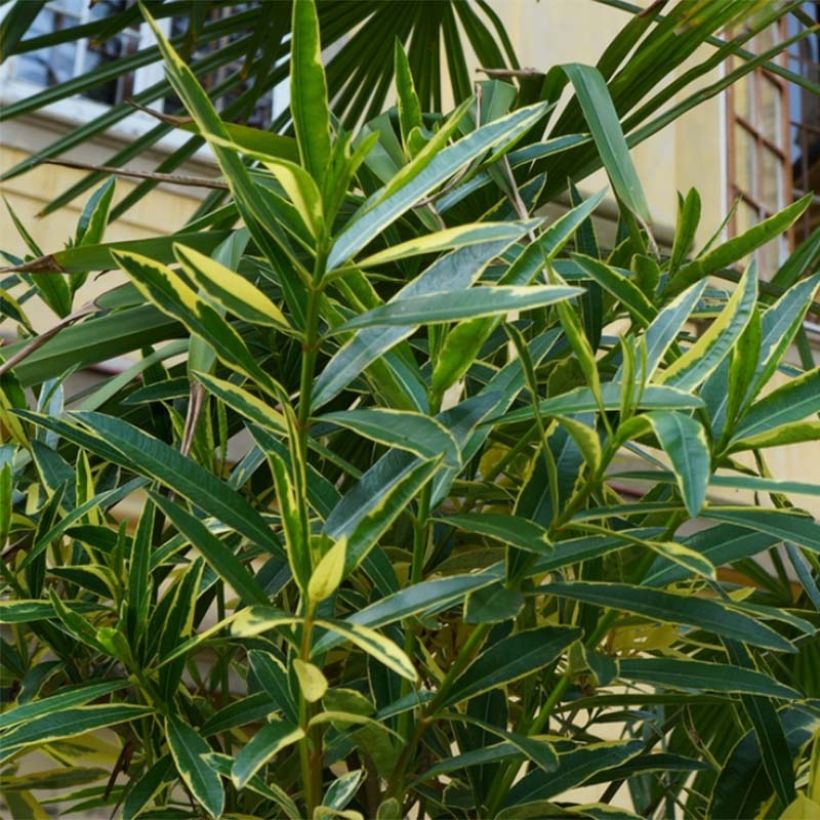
<point x="465" y="655"/>
<point x="310" y="747"/>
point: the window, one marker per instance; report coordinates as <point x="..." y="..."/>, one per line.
<point x="804" y="122"/>
<point x="773" y="143"/>
<point x="60" y="63"/>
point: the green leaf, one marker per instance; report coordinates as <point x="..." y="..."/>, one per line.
<point x="69" y="723"/>
<point x="388" y="207"/>
<point x="737" y="248"/>
<point x="673" y="608"/>
<point x="792" y="402"/>
<point x="680" y="554"/>
<point x="273" y="678"/>
<point x="230" y="290"/>
<point x="381" y="648"/>
<point x="509" y="529"/>
<point x="94" y="218"/>
<point x="574" y="768"/>
<point x="449" y="239"/>
<point x="328" y="574"/>
<point x="458" y="269"/>
<point x="373" y="504"/>
<point x="244" y="402"/>
<point x="155" y="459"/>
<point x="712" y="347"/>
<point x="787" y="434"/>
<point x="144" y="789"/>
<point x="780" y="524"/>
<point x="509" y="659"/>
<point x="22" y="611"/>
<point x="264" y="745"/>
<point x="173" y="297"/>
<point x="684" y="441"/>
<point x="422" y="435"/>
<point x="435" y="594"/>
<point x="666" y="326"/>
<point x="85" y="258"/>
<point x="779" y="326"/>
<point x="188" y="750"/>
<point x="407" y="99"/>
<point x="742" y="785"/>
<point x="686" y="228"/>
<point x="449" y="306"/>
<point x="702" y="676"/>
<point x="492" y="605"/>
<point x="605" y="127"/>
<point x="219" y="557"/>
<point x="308" y="90"/>
<point x="623" y="289"/>
<point x="62" y="699"/>
<point x="582" y="400"/>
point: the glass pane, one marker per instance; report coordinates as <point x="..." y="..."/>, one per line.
<point x="771" y="122"/>
<point x="743" y="101"/>
<point x="98" y="56"/>
<point x="770" y="258"/>
<point x="745" y="158"/>
<point x="772" y="194"/>
<point x="745" y="217"/>
<point x="766" y="39"/>
<point x="72" y="7"/>
<point x="47" y="66"/>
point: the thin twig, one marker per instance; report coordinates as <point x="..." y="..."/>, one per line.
<point x="511" y="72"/>
<point x="195" y="402"/>
<point x="40" y="340"/>
<point x="171" y="179"/>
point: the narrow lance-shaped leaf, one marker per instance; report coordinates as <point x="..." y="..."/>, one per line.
<point x="69" y="723"/>
<point x="622" y="288"/>
<point x="295" y="538"/>
<point x="414" y="432"/>
<point x="172" y="296"/>
<point x="712" y="347"/>
<point x="604" y="124"/>
<point x="218" y="556"/>
<point x="458" y="269"/>
<point x="188" y="750"/>
<point x="702" y="675"/>
<point x="672" y="608"/>
<point x="308" y="90"/>
<point x="449" y="239"/>
<point x="582" y="400"/>
<point x="509" y="529"/>
<point x="737" y="248"/>
<point x="375" y="644"/>
<point x="159" y="461"/>
<point x="443" y="165"/>
<point x="794" y="401"/>
<point x="229" y="289"/>
<point x="264" y="745"/>
<point x="139" y="573"/>
<point x="684" y="441"/>
<point x="511" y="658"/>
<point x="449" y="306"/>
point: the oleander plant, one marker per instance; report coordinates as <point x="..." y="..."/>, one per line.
<point x="429" y="482"/>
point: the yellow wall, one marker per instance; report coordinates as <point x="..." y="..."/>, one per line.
<point x="686" y="154"/>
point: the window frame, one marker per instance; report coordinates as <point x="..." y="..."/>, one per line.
<point x="762" y="144"/>
<point x="77" y="110"/>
